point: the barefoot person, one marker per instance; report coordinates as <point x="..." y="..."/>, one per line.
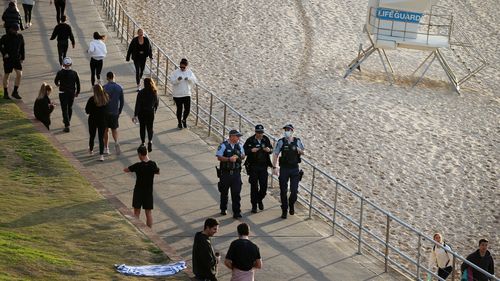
<point x="143" y="191"/>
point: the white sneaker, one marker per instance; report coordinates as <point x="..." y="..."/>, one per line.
<point x="117" y="149"/>
<point x="91" y="152"/>
<point x="101" y="157"/>
<point x="106" y="150"/>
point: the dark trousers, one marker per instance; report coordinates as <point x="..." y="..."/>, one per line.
<point x="146" y="120"/>
<point x="62" y="50"/>
<point x="445" y="272"/>
<point x="93" y="128"/>
<point x="66" y="100"/>
<point x="230" y="181"/>
<point x="257" y="177"/>
<point x="27" y="12"/>
<point x="95" y="70"/>
<point x="139" y="64"/>
<point x="286" y="174"/>
<point x="180" y="103"/>
<point x="60" y="6"/>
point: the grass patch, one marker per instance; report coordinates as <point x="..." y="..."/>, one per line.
<point x="54" y="225"/>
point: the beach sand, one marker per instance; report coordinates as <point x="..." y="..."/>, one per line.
<point x="426" y="154"/>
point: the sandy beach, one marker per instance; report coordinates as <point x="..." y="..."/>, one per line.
<point x="427" y="154"/>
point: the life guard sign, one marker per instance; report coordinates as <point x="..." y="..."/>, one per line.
<point x="395" y="15"/>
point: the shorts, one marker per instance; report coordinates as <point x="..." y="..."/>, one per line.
<point x="112" y="121"/>
<point x="8" y="66"/>
<point x="142" y="199"/>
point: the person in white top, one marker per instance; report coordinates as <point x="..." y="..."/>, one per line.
<point x="441" y="258"/>
<point x="183" y="80"/>
<point x="97" y="51"/>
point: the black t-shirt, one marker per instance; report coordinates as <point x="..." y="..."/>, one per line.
<point x="145" y="172"/>
<point x="243" y="253"/>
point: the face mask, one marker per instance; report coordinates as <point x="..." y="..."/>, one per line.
<point x="288" y="134"/>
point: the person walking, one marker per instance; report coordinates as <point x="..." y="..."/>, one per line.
<point x="205" y="259"/>
<point x="139" y="49"/>
<point x="28" y="7"/>
<point x="69" y="87"/>
<point x="183" y="80"/>
<point x="243" y="256"/>
<point x="60" y="7"/>
<point x="63" y="33"/>
<point x="290" y="148"/>
<point x="12" y="17"/>
<point x="483" y="259"/>
<point x="115" y="106"/>
<point x="258" y="148"/>
<point x="97" y="51"/>
<point x="230" y="155"/>
<point x="12" y="49"/>
<point x="145" y="170"/>
<point x="440" y="257"/>
<point x="146" y="105"/>
<point x="43" y="106"/>
<point x="97" y="111"/>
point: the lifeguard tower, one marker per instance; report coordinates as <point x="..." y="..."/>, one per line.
<point x="420" y="25"/>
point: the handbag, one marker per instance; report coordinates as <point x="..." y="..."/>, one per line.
<point x="467" y="275"/>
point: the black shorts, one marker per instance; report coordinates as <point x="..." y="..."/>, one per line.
<point x="112" y="121"/>
<point x="142" y="199"/>
<point x="8" y="66"/>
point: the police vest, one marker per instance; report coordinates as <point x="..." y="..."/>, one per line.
<point x="290" y="157"/>
<point x="260" y="158"/>
<point x="229" y="152"/>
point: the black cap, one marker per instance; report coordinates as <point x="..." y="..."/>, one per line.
<point x="288" y="126"/>
<point x="235" y="133"/>
<point x="259" y="128"/>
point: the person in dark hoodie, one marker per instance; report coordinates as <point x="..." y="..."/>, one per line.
<point x="140" y="50"/>
<point x="60" y="7"/>
<point x="12" y="49"/>
<point x="43" y="106"/>
<point x="483" y="259"/>
<point x="63" y="32"/>
<point x="11" y="16"/>
<point x="69" y="87"/>
<point x="205" y="259"/>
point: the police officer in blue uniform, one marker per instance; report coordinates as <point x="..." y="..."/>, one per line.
<point x="290" y="148"/>
<point x="258" y="148"/>
<point x="230" y="154"/>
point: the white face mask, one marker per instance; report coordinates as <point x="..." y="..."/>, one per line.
<point x="288" y="134"/>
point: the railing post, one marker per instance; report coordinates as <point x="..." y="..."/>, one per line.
<point x="360" y="225"/>
<point x="239" y="123"/>
<point x="387" y="235"/>
<point x="210" y="114"/>
<point x="312" y="192"/>
<point x="118" y="22"/>
<point x="197" y="105"/>
<point x="224" y="121"/>
<point x="128" y="28"/>
<point x="418" y="255"/>
<point x="272" y="171"/>
<point x="453" y="270"/>
<point x="158" y="67"/>
<point x="123" y="20"/>
<point x="335" y="207"/>
<point x="114" y="15"/>
<point x="166" y="76"/>
<point x="151" y="67"/>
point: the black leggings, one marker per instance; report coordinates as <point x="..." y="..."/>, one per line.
<point x="27" y="12"/>
<point x="183" y="102"/>
<point x="100" y="136"/>
<point x="146" y="120"/>
<point x="62" y="50"/>
<point x="60" y="6"/>
<point x="139" y="64"/>
<point x="95" y="70"/>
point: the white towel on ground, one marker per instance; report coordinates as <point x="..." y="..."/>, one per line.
<point x="151" y="270"/>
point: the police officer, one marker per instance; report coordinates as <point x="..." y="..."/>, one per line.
<point x="290" y="148"/>
<point x="258" y="148"/>
<point x="230" y="154"/>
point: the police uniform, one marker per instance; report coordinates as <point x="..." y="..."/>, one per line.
<point x="289" y="171"/>
<point x="230" y="175"/>
<point x="257" y="164"/>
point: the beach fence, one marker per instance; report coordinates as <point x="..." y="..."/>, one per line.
<point x="372" y="229"/>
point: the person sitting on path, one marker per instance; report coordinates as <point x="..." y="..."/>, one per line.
<point x="97" y="51"/>
<point x="143" y="190"/>
<point x="140" y="50"/>
<point x="115" y="106"/>
<point x="69" y="87"/>
<point x="63" y="33"/>
<point x="243" y="256"/>
<point x="97" y="111"/>
<point x="12" y="49"/>
<point x="183" y="80"/>
<point x="146" y="105"/>
<point x="43" y="106"/>
<point x="11" y="17"/>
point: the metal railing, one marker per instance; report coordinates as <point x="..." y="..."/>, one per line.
<point x="371" y="227"/>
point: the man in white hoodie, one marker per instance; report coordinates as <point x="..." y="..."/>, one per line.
<point x="97" y="51"/>
<point x="183" y="80"/>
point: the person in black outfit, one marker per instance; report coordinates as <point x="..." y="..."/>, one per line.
<point x="483" y="259"/>
<point x="205" y="259"/>
<point x="62" y="31"/>
<point x="97" y="111"/>
<point x="12" y="49"/>
<point x="60" y="6"/>
<point x="140" y="50"/>
<point x="43" y="106"/>
<point x="143" y="190"/>
<point x="145" y="109"/>
<point x="258" y="148"/>
<point x="69" y="87"/>
<point x="28" y="7"/>
<point x="243" y="255"/>
<point x="11" y="17"/>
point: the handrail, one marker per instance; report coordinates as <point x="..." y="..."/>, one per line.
<point x="220" y="117"/>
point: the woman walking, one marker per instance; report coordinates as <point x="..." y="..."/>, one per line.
<point x="96" y="109"/>
<point x="28" y="7"/>
<point x="183" y="80"/>
<point x="140" y="50"/>
<point x="97" y="51"/>
<point x="440" y="257"/>
<point x="145" y="109"/>
<point x="43" y="106"/>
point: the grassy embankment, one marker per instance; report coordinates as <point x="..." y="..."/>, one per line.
<point x="53" y="224"/>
